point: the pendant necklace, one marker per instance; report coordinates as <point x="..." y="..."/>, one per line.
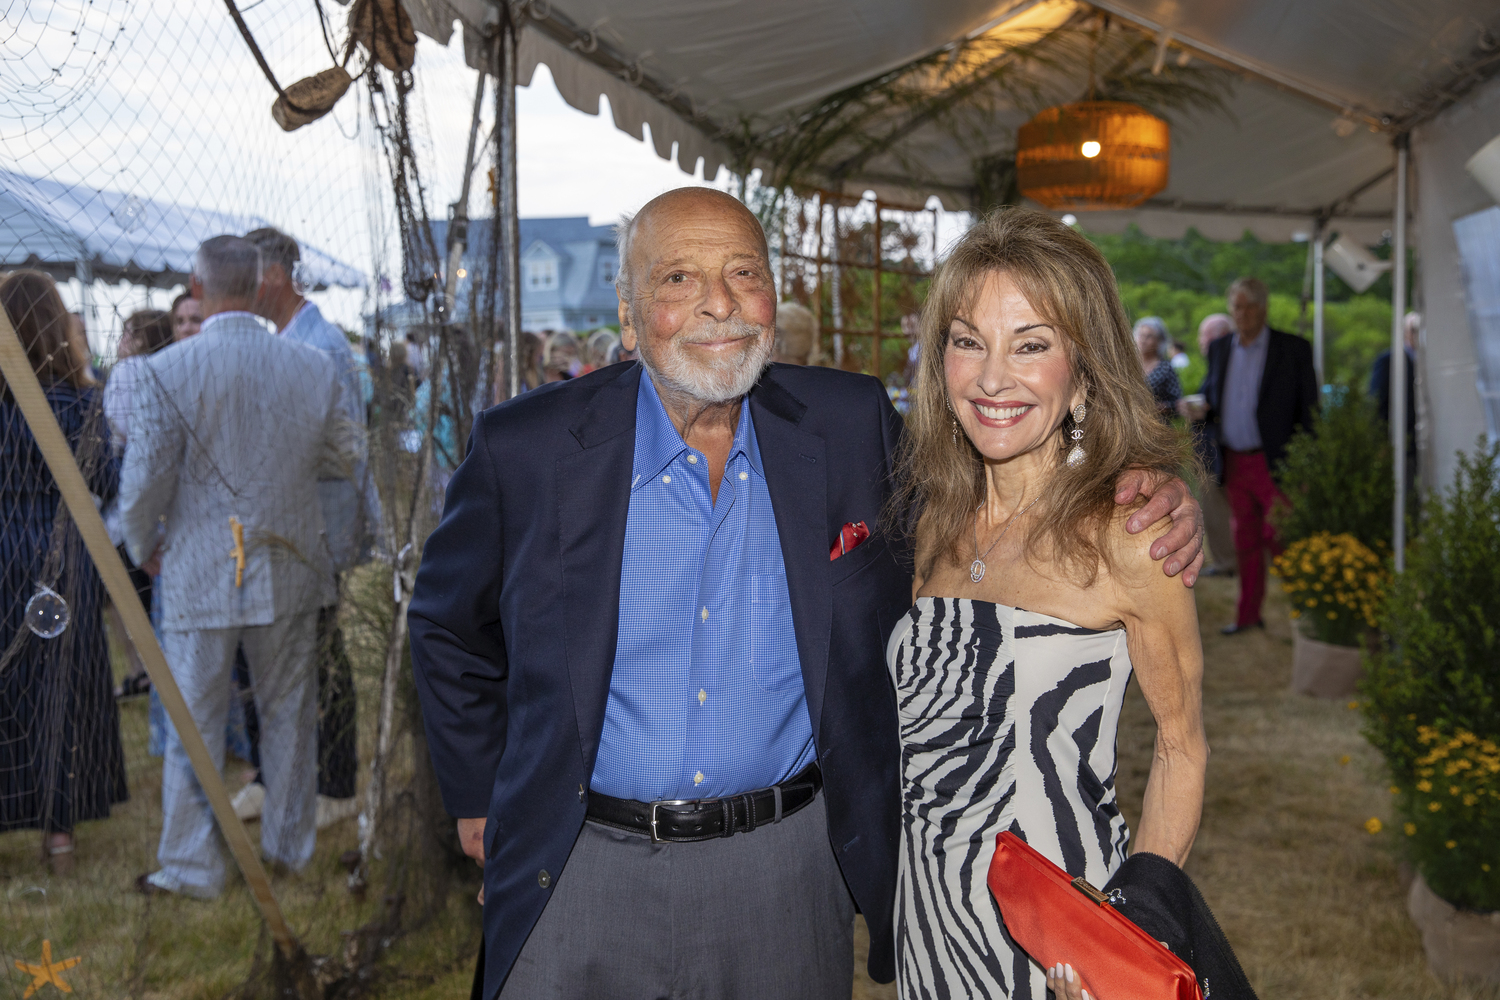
<point x="976" y="568"/>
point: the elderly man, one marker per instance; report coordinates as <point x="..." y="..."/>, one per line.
<point x="1259" y="391"/>
<point x="231" y="432"/>
<point x="351" y="515"/>
<point x="649" y="635"/>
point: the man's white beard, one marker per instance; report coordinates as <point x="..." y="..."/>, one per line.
<point x="719" y="380"/>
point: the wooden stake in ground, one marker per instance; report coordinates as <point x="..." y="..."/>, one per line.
<point x="27" y="392"/>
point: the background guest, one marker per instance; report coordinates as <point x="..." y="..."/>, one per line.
<point x="597" y="350"/>
<point x="531" y="348"/>
<point x="794" y="333"/>
<point x="187" y="316"/>
<point x="61" y="760"/>
<point x="1216" y="519"/>
<point x="561" y="358"/>
<point x="1260" y="389"/>
<point x="1179" y="355"/>
<point x="268" y="426"/>
<point x="1151" y="340"/>
<point x="351" y="517"/>
<point x="145" y="332"/>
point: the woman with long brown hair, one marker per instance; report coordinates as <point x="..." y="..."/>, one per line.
<point x="1033" y="603"/>
<point x="60" y="756"/>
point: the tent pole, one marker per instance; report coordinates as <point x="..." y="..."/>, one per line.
<point x="509" y="213"/>
<point x="1317" y="249"/>
<point x="1398" y="353"/>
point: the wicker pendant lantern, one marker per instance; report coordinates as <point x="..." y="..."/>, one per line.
<point x="1093" y="155"/>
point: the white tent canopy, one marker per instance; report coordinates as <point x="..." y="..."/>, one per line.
<point x="1316" y="77"/>
<point x="1320" y="88"/>
<point x="71" y="231"/>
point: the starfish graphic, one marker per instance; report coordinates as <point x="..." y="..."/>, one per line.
<point x="47" y="971"/>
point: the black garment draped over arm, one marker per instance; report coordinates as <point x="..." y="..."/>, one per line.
<point x="1161" y="900"/>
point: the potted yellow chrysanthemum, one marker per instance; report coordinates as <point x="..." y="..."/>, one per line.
<point x="1431" y="698"/>
<point x="1334" y="584"/>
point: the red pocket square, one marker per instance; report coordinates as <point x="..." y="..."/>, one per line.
<point x="850" y="536"/>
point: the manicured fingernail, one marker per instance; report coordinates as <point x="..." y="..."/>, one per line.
<point x="1070" y="972"/>
<point x="1085" y="995"/>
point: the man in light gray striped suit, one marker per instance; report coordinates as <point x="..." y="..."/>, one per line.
<point x="232" y="431"/>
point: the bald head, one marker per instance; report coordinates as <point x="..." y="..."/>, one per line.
<point x="670" y="210"/>
<point x="1211" y="329"/>
<point x="697" y="296"/>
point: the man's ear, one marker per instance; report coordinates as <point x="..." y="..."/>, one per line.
<point x="627" y="327"/>
<point x="195" y="288"/>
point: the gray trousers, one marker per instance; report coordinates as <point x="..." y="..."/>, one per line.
<point x="756" y="916"/>
<point x="281" y="663"/>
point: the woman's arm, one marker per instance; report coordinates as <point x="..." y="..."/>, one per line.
<point x="1161" y="628"/>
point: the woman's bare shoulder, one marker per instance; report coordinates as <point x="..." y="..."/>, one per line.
<point x="1128" y="556"/>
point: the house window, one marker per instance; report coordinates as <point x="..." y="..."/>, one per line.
<point x="607" y="272"/>
<point x="541" y="274"/>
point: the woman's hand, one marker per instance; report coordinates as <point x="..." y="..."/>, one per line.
<point x="1067" y="984"/>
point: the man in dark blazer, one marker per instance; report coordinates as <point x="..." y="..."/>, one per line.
<point x="1260" y="390"/>
<point x="649" y="640"/>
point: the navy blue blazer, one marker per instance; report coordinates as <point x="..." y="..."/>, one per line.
<point x="1288" y="396"/>
<point x="516" y="608"/>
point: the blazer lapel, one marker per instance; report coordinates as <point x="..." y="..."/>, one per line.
<point x="1268" y="376"/>
<point x="593" y="502"/>
<point x="797" y="479"/>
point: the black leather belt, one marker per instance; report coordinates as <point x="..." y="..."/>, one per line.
<point x="682" y="821"/>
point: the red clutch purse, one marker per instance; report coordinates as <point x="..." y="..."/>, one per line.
<point x="1058" y="918"/>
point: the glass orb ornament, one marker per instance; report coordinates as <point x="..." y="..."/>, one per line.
<point x="47" y="613"/>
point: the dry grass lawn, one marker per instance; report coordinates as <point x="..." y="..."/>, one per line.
<point x="1313" y="904"/>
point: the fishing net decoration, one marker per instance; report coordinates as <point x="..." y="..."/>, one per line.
<point x="153" y="106"/>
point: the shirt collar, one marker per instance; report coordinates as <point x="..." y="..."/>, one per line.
<point x="307" y="312"/>
<point x="657" y="442"/>
<point x="1260" y="342"/>
<point x="216" y="318"/>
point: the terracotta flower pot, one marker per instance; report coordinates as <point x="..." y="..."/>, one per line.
<point x="1322" y="669"/>
<point x="1460" y="944"/>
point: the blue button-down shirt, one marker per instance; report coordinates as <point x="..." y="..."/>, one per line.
<point x="706" y="697"/>
<point x="1238" y="428"/>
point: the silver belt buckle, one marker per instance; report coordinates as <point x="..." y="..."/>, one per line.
<point x="664" y="802"/>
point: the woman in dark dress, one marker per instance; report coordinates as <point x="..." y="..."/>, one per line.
<point x="1150" y="342"/>
<point x="61" y="761"/>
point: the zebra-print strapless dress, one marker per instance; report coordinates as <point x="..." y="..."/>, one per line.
<point x="1008" y="722"/>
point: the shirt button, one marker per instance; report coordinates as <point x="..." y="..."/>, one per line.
<point x="666" y="479"/>
<point x="744" y="475"/>
<point x="697" y="780"/>
<point x="692" y="460"/>
<point x="702" y="696"/>
<point x="704" y="616"/>
<point x="543" y="879"/>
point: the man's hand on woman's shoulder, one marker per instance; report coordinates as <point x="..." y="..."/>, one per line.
<point x="1167" y="497"/>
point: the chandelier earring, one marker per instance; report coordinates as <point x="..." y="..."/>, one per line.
<point x="1077" y="455"/>
<point x="952" y="418"/>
